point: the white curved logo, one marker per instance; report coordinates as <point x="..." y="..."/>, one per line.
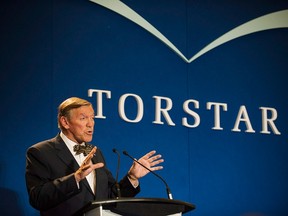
<point x="270" y="21"/>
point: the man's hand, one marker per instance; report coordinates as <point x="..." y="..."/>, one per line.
<point x="149" y="160"/>
<point x="87" y="166"/>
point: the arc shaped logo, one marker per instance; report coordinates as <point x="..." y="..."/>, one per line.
<point x="273" y="20"/>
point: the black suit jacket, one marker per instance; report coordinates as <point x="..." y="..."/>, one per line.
<point x="51" y="185"/>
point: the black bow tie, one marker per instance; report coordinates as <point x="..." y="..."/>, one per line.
<point x="85" y="149"/>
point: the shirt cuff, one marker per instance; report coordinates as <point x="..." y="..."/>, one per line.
<point x="134" y="183"/>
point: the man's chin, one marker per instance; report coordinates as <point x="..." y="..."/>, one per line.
<point x="88" y="138"/>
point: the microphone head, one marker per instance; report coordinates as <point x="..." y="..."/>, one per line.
<point x="114" y="150"/>
<point x="125" y="153"/>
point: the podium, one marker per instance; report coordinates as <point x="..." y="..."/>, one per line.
<point x="137" y="207"/>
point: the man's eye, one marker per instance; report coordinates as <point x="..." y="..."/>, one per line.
<point x="86" y="117"/>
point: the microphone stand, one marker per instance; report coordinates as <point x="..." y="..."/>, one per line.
<point x="117" y="173"/>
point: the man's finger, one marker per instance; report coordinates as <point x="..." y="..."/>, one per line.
<point x="149" y="154"/>
<point x="84" y="167"/>
<point x="90" y="155"/>
<point x="97" y="165"/>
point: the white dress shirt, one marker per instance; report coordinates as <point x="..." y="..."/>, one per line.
<point x="91" y="178"/>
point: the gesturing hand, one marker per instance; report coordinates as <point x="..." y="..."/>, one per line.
<point x="150" y="160"/>
<point x="87" y="166"/>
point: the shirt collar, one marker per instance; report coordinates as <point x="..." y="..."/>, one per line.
<point x="69" y="143"/>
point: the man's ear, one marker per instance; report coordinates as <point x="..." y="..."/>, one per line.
<point x="64" y="122"/>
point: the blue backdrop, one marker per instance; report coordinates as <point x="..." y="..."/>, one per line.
<point x="52" y="50"/>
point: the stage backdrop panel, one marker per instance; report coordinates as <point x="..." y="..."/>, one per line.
<point x="203" y="83"/>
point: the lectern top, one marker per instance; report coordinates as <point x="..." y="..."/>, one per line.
<point x="142" y="206"/>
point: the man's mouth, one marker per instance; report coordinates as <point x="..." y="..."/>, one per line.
<point x="89" y="132"/>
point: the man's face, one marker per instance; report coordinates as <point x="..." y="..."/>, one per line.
<point x="79" y="126"/>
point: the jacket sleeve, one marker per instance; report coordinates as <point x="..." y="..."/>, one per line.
<point x="127" y="189"/>
<point x="45" y="191"/>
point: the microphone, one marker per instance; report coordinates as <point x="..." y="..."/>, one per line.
<point x="169" y="194"/>
<point x="117" y="173"/>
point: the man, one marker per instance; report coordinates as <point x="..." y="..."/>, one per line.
<point x="60" y="182"/>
